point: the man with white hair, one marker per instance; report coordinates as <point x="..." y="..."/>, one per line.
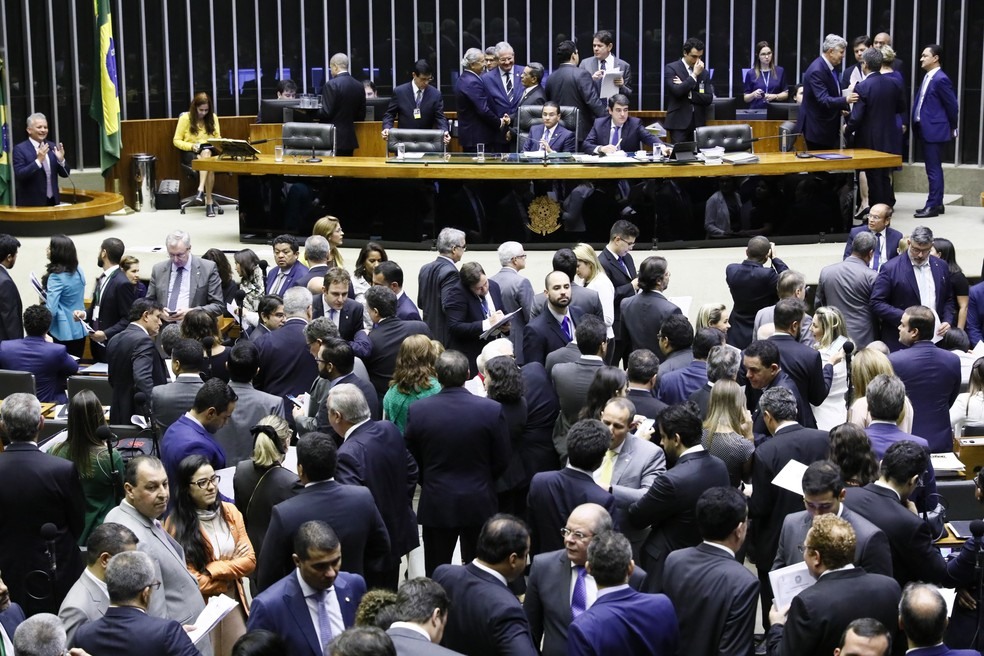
<point x="435" y="279"/>
<point x="343" y="102"/>
<point x="38" y="163"/>
<point x="40" y="635"/>
<point x="494" y="349"/>
<point x="286" y="366"/>
<point x="185" y="281"/>
<point x="505" y="87"/>
<point x="516" y="290"/>
<point x="820" y="113"/>
<point x="477" y="123"/>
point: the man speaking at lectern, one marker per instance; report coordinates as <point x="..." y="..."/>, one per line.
<point x="38" y="163"/>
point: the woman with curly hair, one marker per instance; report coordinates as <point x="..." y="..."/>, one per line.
<point x="331" y="229"/>
<point x="202" y="327"/>
<point x="850" y="449"/>
<point x="217" y="550"/>
<point x="413" y="379"/>
<point x="504" y="383"/>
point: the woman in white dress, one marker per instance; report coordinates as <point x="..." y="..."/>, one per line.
<point x="828" y="325"/>
<point x="968" y="409"/>
<point x="591" y="275"/>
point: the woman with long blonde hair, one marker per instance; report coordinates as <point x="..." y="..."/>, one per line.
<point x="728" y="430"/>
<point x="330" y="228"/>
<point x="591" y="275"/>
<point x="828" y="325"/>
<point x="865" y="365"/>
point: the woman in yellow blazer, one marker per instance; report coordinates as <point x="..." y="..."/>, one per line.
<point x="217" y="550"/>
<point x="195" y="128"/>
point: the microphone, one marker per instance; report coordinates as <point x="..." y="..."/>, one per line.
<point x="977" y="530"/>
<point x="240" y="298"/>
<point x="263" y="267"/>
<point x="105" y="434"/>
<point x="848" y="351"/>
<point x="49" y="533"/>
<point x="75" y="193"/>
<point x="208" y="342"/>
<point x="784" y="145"/>
<point x="142" y="402"/>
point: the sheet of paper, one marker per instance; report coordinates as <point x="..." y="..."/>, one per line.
<point x="290" y="460"/>
<point x="95" y="368"/>
<point x="682" y="302"/>
<point x="233" y="310"/>
<point x="789" y="581"/>
<point x="226" y="488"/>
<point x="217" y="607"/>
<point x="790" y="477"/>
<point x="608" y="88"/>
<point x="946" y="462"/>
<point x="498" y="324"/>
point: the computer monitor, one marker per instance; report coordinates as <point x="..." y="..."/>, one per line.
<point x="277" y="110"/>
<point x="781" y="111"/>
<point x="375" y="108"/>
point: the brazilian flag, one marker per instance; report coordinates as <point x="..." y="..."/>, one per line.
<point x="105" y="108"/>
<point x="4" y="142"/>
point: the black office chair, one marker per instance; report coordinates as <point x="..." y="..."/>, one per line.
<point x="416" y="141"/>
<point x="192" y="201"/>
<point x="734" y="138"/>
<point x="16" y="382"/>
<point x="723" y="109"/>
<point x="97" y="384"/>
<point x="530" y="115"/>
<point x="317" y="139"/>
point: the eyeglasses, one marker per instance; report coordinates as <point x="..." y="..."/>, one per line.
<point x="577" y="535"/>
<point x="208" y="482"/>
<point x="156" y="585"/>
<point x="803" y="548"/>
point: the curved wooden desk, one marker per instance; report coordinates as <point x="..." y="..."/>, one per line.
<point x="86" y="214"/>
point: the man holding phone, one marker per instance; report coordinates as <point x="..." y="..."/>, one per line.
<point x="185" y="282"/>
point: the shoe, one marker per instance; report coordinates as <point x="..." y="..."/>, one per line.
<point x="861" y="214"/>
<point x="929" y="212"/>
<point x="200" y="197"/>
<point x="210" y="211"/>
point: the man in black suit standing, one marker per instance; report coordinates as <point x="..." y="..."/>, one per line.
<point x="820" y="112"/>
<point x="337" y="362"/>
<point x="688" y="83"/>
<point x="334" y="303"/>
<point x="670" y="505"/>
<point x="38" y="490"/>
<point x="753" y="287"/>
<point x="714" y="594"/>
<point x="487" y="619"/>
<point x="571" y="86"/>
<point x="616" y="260"/>
<point x="532" y="94"/>
<point x="286" y="366"/>
<point x="473" y="306"/>
<point x="389" y="274"/>
<point x="554" y="327"/>
<point x="135" y="365"/>
<point x="461" y="444"/>
<point x="421" y="612"/>
<point x="436" y="279"/>
<point x="343" y="102"/>
<point x="349" y="509"/>
<point x="642" y="372"/>
<point x="572" y="380"/>
<point x="800" y="362"/>
<point x="416" y="105"/>
<point x="761" y="371"/>
<point x="11" y="309"/>
<point x="112" y="297"/>
<point x="642" y="314"/>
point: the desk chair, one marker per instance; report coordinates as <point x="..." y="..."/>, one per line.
<point x="15" y="382"/>
<point x="416" y="141"/>
<point x="530" y="115"/>
<point x="309" y="138"/>
<point x="733" y="138"/>
<point x="97" y="384"/>
<point x="192" y="201"/>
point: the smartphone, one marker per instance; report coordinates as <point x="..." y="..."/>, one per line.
<point x="836" y="345"/>
<point x="293" y="399"/>
<point x="646" y="426"/>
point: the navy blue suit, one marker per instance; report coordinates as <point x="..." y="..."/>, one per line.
<point x="622" y="282"/>
<point x="820" y="113"/>
<point x="932" y="381"/>
<point x="406" y="309"/>
<point x="477" y="123"/>
<point x="895" y="289"/>
<point x="403" y="102"/>
<point x="380" y="347"/>
<point x="805" y="366"/>
<point x="282" y="609"/>
<point x="128" y="630"/>
<point x="350" y="320"/>
<point x="891" y="236"/>
<point x="294" y="277"/>
<point x="543" y="335"/>
<point x="934" y="122"/>
<point x="114" y="306"/>
<point x="561" y="141"/>
<point x="32" y="182"/>
<point x="975" y="314"/>
<point x="686" y="102"/>
<point x="11" y="310"/>
<point x="753" y="287"/>
<point x="542" y="408"/>
<point x="286" y="365"/>
<point x="632" y="135"/>
<point x="553" y="496"/>
<point x="501" y="103"/>
<point x="872" y="124"/>
<point x="11" y="619"/>
<point x="50" y="363"/>
<point x="625" y="622"/>
<point x="570" y="86"/>
<point x="466" y="315"/>
<point x="187" y="437"/>
<point x="434" y="281"/>
<point x="883" y="435"/>
<point x="343" y="101"/>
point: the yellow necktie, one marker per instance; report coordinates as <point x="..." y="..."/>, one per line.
<point x="607" y="467"/>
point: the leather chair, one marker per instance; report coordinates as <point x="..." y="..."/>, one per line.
<point x="308" y="139"/>
<point x="733" y="138"/>
<point x="16" y="382"/>
<point x="530" y="115"/>
<point x="98" y="385"/>
<point x="416" y="141"/>
<point x="787" y="143"/>
<point x="190" y="201"/>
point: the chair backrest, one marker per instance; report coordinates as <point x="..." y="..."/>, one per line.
<point x="530" y="115"/>
<point x="14" y="382"/>
<point x="786" y="143"/>
<point x="416" y="141"/>
<point x="732" y="137"/>
<point x="723" y="109"/>
<point x="299" y="138"/>
<point x="100" y="387"/>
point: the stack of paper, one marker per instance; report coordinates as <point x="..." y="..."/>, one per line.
<point x="947" y="463"/>
<point x="741" y="158"/>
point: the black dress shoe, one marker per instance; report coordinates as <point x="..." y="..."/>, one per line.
<point x="860" y="216"/>
<point x="210" y="210"/>
<point x="928" y="212"/>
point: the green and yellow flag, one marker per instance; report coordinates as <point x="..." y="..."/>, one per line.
<point x="105" y="108"/>
<point x="4" y="142"/>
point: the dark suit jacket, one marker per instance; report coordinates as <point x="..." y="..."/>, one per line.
<point x="294" y="278"/>
<point x="350" y="320"/>
<point x="561" y="141"/>
<point x="571" y="380"/>
<point x="805" y="367"/>
<point x="114" y="305"/>
<point x="50" y="363"/>
<point x="32" y="183"/>
<point x="343" y="101"/>
<point x="548" y="599"/>
<point x="543" y="335"/>
<point x="646" y="404"/>
<point x="477" y="123"/>
<point x="553" y="496"/>
<point x="871" y="552"/>
<point x="283" y="610"/>
<point x="465" y="316"/>
<point x="348" y="509"/>
<point x="127" y="630"/>
<point x="380" y="347"/>
<point x="895" y="289"/>
<point x="938" y="114"/>
<point x="315" y="271"/>
<point x="769" y="504"/>
<point x="375" y="456"/>
<point x="411" y="643"/>
<point x="932" y="381"/>
<point x="11" y="309"/>
<point x="499" y="102"/>
<point x="461" y="444"/>
<point x="891" y="236"/>
<point x="135" y="365"/>
<point x="632" y="136"/>
<point x="753" y="287"/>
<point x="11" y="619"/>
<point x="670" y="508"/>
<point x="406" y="310"/>
<point x="621" y="281"/>
<point x="882" y="435"/>
<point x="187" y="437"/>
<point x="434" y="282"/>
<point x="975" y="314"/>
<point x="402" y="104"/>
<point x="820" y="113"/>
<point x="715" y="600"/>
<point x="571" y="86"/>
<point x="37" y="489"/>
<point x="205" y="291"/>
<point x="872" y="120"/>
<point x="542" y="409"/>
<point x="286" y="366"/>
<point x="626" y="622"/>
<point x="257" y="493"/>
<point x="488" y="619"/>
<point x="686" y="101"/>
<point x="804" y="414"/>
<point x="642" y="316"/>
<point x="536" y="96"/>
<point x="368" y="391"/>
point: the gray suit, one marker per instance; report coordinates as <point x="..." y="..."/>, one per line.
<point x="253" y="405"/>
<point x="85" y="602"/>
<point x="637" y="466"/>
<point x="205" y="291"/>
<point x="410" y="643"/>
<point x="872" y="551"/>
<point x="768" y="315"/>
<point x="847" y="286"/>
<point x="172" y="400"/>
<point x="517" y="294"/>
<point x="568" y="353"/>
<point x="642" y="316"/>
<point x="178" y="598"/>
<point x="318" y="394"/>
<point x="582" y="298"/>
<point x="591" y="64"/>
<point x="571" y="380"/>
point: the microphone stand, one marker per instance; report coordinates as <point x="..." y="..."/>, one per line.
<point x="979" y="592"/>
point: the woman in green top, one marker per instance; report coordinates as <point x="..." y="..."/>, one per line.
<point x="85" y="415"/>
<point x="413" y="377"/>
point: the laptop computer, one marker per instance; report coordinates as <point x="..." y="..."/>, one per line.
<point x="683" y="153"/>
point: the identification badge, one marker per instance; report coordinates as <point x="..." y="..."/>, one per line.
<point x="701" y="88"/>
<point x="416" y="112"/>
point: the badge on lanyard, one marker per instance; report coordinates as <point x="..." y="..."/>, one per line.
<point x="416" y="112"/>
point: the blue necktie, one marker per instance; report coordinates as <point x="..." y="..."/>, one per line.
<point x="324" y="623"/>
<point x="621" y="261"/>
<point x="579" y="598"/>
<point x="876" y="263"/>
<point x="565" y="325"/>
<point x="616" y="138"/>
<point x="485" y="306"/>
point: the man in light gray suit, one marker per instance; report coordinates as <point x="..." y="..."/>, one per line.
<point x="555" y="575"/>
<point x="631" y="464"/>
<point x="847" y="286"/>
<point x="517" y="292"/>
<point x="571" y="380"/>
<point x="421" y="613"/>
<point x="88" y="600"/>
<point x="146" y="496"/>
<point x="185" y="282"/>
<point x="823" y="493"/>
<point x="172" y="400"/>
<point x="253" y="405"/>
<point x="568" y="353"/>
